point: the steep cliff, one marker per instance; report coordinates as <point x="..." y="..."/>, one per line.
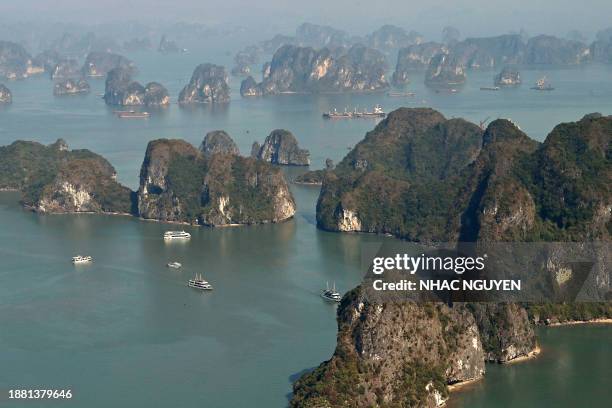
<point x="414" y="58"/>
<point x="445" y="70"/>
<point x="57" y="180"/>
<point x="281" y="147"/>
<point x="208" y="84"/>
<point x="65" y="68"/>
<point x="394" y="354"/>
<point x="5" y="95"/>
<point x="179" y="183"/>
<point x="297" y="69"/>
<point x="99" y="64"/>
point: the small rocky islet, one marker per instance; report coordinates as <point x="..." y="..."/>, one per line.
<point x="121" y="90"/>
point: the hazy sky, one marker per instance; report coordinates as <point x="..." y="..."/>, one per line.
<point x="472" y="17"/>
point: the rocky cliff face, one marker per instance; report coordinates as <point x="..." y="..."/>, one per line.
<point x="5" y="95"/>
<point x="304" y="70"/>
<point x="179" y="183"/>
<point x="99" y="64"/>
<point x="71" y="87"/>
<point x="508" y="77"/>
<point x="208" y="84"/>
<point x="394" y="354"/>
<point x="281" y="147"/>
<point x="505" y="330"/>
<point x="445" y="70"/>
<point x="120" y="90"/>
<point x="167" y="46"/>
<point x="414" y="58"/>
<point x="15" y="62"/>
<point x="218" y="142"/>
<point x="53" y="179"/>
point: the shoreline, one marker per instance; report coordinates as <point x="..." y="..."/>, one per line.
<point x="577" y="322"/>
<point x="462" y="384"/>
<point x="529" y="356"/>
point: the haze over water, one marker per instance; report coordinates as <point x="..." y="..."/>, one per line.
<point x="126" y="331"/>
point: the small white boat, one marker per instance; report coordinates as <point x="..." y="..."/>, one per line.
<point x="170" y="235"/>
<point x="174" y="265"/>
<point x="331" y="294"/>
<point x="81" y="259"/>
<point x="199" y="283"/>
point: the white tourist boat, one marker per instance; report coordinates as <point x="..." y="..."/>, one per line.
<point x="172" y="235"/>
<point x="81" y="259"/>
<point x="199" y="283"/>
<point x="174" y="265"/>
<point x="331" y="294"/>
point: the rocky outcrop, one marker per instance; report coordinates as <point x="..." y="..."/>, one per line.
<point x="208" y="84"/>
<point x="71" y="87"/>
<point x="281" y="147"/>
<point x="414" y="58"/>
<point x="179" y="183"/>
<point x="394" y="354"/>
<point x="505" y="331"/>
<point x="5" y="95"/>
<point x="99" y="64"/>
<point x="249" y="87"/>
<point x="297" y="69"/>
<point x="53" y="179"/>
<point x="155" y="94"/>
<point x="218" y="141"/>
<point x="120" y="90"/>
<point x="15" y="62"/>
<point x="445" y="70"/>
<point x="508" y="77"/>
<point x="66" y="68"/>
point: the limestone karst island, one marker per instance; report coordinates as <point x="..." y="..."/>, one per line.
<point x="305" y="204"/>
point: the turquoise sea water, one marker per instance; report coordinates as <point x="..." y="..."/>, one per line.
<point x="126" y="331"/>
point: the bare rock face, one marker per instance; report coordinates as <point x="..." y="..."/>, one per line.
<point x="99" y="64"/>
<point x="414" y="58"/>
<point x="395" y="354"/>
<point x="445" y="70"/>
<point x="5" y="95"/>
<point x="54" y="179"/>
<point x="120" y="90"/>
<point x="218" y="141"/>
<point x="71" y="87"/>
<point x="281" y="147"/>
<point x="16" y="63"/>
<point x="297" y="69"/>
<point x="208" y="84"/>
<point x="179" y="183"/>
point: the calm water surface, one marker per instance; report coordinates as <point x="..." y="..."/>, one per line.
<point x="125" y="331"/>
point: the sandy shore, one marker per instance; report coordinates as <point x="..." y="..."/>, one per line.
<point x="531" y="355"/>
<point x="574" y="322"/>
<point x="462" y="384"/>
